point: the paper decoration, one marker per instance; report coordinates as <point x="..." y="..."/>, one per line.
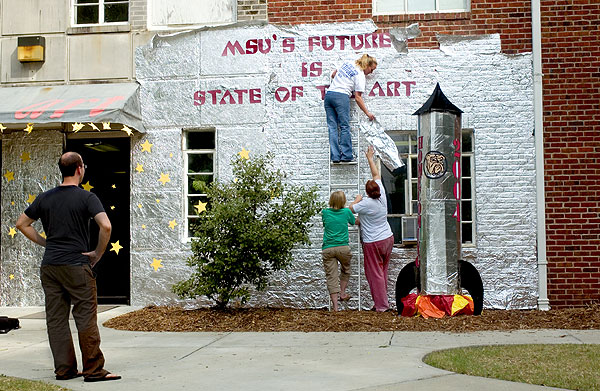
<point x="156" y="264"/>
<point x="87" y="187"/>
<point x="147" y="147"/>
<point x="244" y="154"/>
<point x="140" y="206"/>
<point x="106" y="125"/>
<point x="12" y="276"/>
<point x="12" y="232"/>
<point x="139" y="168"/>
<point x="10" y="176"/>
<point x="164" y="178"/>
<point x="28" y="128"/>
<point x="2" y="128"/>
<point x="112" y="207"/>
<point x="25" y="157"/>
<point x="116" y="247"/>
<point x="143" y="226"/>
<point x="157" y="201"/>
<point x="43" y="235"/>
<point x="114" y="186"/>
<point x="127" y="130"/>
<point x="93" y="125"/>
<point x="172" y="224"/>
<point x="31" y="198"/>
<point x="77" y="126"/>
<point x="200" y="207"/>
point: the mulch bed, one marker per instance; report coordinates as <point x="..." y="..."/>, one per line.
<point x="163" y="318"/>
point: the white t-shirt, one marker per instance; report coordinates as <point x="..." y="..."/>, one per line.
<point x="373" y="217"/>
<point x="348" y="78"/>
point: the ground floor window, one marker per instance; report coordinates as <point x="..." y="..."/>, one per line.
<point x="401" y="189"/>
<point x="199" y="150"/>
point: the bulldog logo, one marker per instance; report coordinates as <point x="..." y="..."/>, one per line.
<point x="435" y="165"/>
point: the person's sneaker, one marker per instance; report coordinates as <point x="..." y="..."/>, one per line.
<point x="353" y="161"/>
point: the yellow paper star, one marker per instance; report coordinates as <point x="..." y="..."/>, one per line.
<point x="77" y="126"/>
<point x="200" y="207"/>
<point x="114" y="186"/>
<point x="12" y="203"/>
<point x="147" y="147"/>
<point x="116" y="247"/>
<point x="25" y="157"/>
<point x="44" y="178"/>
<point x="244" y="154"/>
<point x="43" y="235"/>
<point x="127" y="130"/>
<point x="172" y="224"/>
<point x="87" y="187"/>
<point x="164" y="178"/>
<point x="140" y="206"/>
<point x="28" y="128"/>
<point x="157" y="201"/>
<point x="12" y="276"/>
<point x="156" y="264"/>
<point x="30" y="199"/>
<point x="112" y="207"/>
<point x="143" y="226"/>
<point x="106" y="125"/>
<point x="10" y="176"/>
<point x="12" y="232"/>
<point x="93" y="125"/>
<point x="2" y="128"/>
<point x="171" y="154"/>
<point x="139" y="168"/>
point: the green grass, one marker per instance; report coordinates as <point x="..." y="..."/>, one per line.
<point x="574" y="367"/>
<point x="8" y="383"/>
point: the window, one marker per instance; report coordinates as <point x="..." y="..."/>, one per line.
<point x="199" y="155"/>
<point x="401" y="185"/>
<point x="383" y="7"/>
<point x="100" y="11"/>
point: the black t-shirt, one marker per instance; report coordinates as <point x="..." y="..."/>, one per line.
<point x="65" y="212"/>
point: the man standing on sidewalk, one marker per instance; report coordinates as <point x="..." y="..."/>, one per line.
<point x="66" y="271"/>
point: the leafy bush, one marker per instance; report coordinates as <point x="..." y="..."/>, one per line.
<point x="247" y="232"/>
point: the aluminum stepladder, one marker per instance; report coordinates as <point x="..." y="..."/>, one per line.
<point x="346" y="177"/>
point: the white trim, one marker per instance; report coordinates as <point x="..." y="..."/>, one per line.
<point x="101" y="4"/>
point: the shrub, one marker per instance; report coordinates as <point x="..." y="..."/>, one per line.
<point x="247" y="232"/>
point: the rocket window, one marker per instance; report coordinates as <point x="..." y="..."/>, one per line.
<point x="100" y="11"/>
<point x="401" y="188"/>
<point x="386" y="7"/>
<point x="199" y="163"/>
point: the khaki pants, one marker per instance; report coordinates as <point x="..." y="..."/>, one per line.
<point x="331" y="256"/>
<point x="63" y="286"/>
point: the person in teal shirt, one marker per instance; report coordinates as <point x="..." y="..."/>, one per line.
<point x="336" y="247"/>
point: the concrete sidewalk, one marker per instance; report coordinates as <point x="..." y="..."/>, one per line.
<point x="266" y="361"/>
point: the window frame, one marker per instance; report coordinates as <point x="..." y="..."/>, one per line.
<point x="151" y="26"/>
<point x="101" y="16"/>
<point x="186" y="153"/>
<point x="436" y="11"/>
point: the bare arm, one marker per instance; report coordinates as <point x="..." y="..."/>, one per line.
<point x="374" y="171"/>
<point x="356" y="201"/>
<point x="361" y="103"/>
<point x="24" y="225"/>
<point x="103" y="238"/>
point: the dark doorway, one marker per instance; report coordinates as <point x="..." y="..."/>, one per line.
<point x="107" y="161"/>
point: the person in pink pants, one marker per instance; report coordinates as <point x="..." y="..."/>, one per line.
<point x="377" y="236"/>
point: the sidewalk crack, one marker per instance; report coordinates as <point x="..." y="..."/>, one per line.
<point x="203" y="346"/>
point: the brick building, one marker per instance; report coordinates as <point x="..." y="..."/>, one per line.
<point x="240" y="77"/>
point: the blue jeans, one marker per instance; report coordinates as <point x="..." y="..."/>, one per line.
<point x="337" y="108"/>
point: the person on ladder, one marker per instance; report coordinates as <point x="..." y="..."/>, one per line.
<point x="348" y="78"/>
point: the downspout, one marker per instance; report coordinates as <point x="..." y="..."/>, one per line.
<point x="542" y="263"/>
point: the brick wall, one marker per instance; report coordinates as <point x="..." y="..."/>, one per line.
<point x="251" y="10"/>
<point x="138" y="14"/>
<point x="512" y="19"/>
<point x="571" y="67"/>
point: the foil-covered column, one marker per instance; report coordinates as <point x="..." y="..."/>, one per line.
<point x="438" y="138"/>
